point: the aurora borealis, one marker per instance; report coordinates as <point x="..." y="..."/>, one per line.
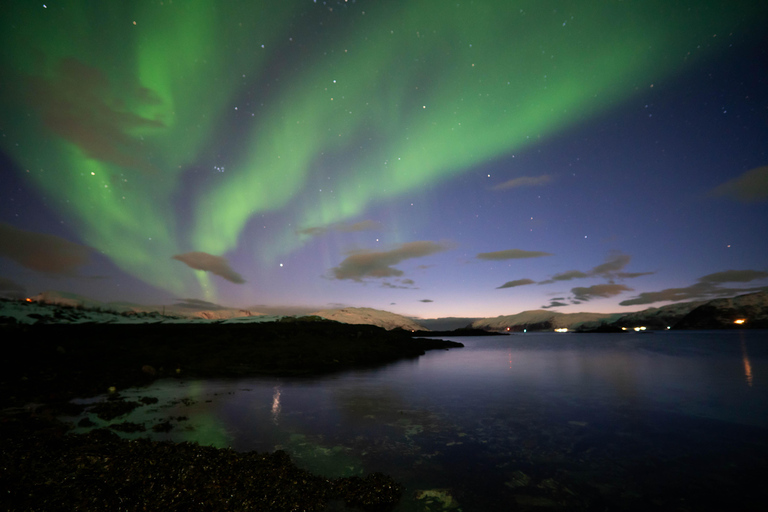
<point x="373" y="153"/>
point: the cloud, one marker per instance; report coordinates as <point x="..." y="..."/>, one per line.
<point x="364" y="225"/>
<point x="583" y="294"/>
<point x="707" y="287"/>
<point x="10" y="289"/>
<point x="210" y="263"/>
<point x="279" y="310"/>
<point x="632" y="275"/>
<point x="734" y="276"/>
<point x="197" y="304"/>
<point x="615" y="261"/>
<point x="407" y="284"/>
<point x="518" y="282"/>
<point x="361" y="264"/>
<point x="524" y="181"/>
<point x="345" y="227"/>
<point x="313" y="231"/>
<point x="511" y="254"/>
<point x="426" y="300"/>
<point x="40" y="251"/>
<point x="77" y="103"/>
<point x="566" y="276"/>
<point x="752" y="186"/>
<point x="554" y="304"/>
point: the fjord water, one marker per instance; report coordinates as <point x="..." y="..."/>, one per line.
<point x="649" y="420"/>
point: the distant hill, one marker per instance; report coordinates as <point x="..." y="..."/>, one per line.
<point x="447" y="323"/>
<point x="61" y="307"/>
<point x="538" y="320"/>
<point x="185" y="309"/>
<point x="713" y="314"/>
<point x="724" y="313"/>
<point x="651" y="318"/>
<point x="370" y="316"/>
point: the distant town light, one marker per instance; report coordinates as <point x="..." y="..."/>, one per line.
<point x="740" y="321"/>
<point x="641" y="328"/>
<point x="562" y="329"/>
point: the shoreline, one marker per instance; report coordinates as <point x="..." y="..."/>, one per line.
<point x="100" y="471"/>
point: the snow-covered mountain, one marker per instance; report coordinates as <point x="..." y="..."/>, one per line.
<point x="749" y="310"/>
<point x="713" y="314"/>
<point x="538" y="320"/>
<point x="188" y="308"/>
<point x="661" y="318"/>
<point x="370" y="316"/>
<point x="61" y="307"/>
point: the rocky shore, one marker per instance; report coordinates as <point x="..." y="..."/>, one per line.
<point x="44" y="468"/>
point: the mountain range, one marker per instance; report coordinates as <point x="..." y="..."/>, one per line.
<point x="744" y="311"/>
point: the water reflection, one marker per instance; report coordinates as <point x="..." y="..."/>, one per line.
<point x="747" y="364"/>
<point x="471" y="419"/>
<point x="276" y="407"/>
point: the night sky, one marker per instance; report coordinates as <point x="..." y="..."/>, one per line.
<point x="430" y="158"/>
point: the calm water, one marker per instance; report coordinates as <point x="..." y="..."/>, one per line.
<point x="667" y="420"/>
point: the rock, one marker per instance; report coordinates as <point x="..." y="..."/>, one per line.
<point x="442" y="496"/>
<point x="518" y="479"/>
<point x="113" y="409"/>
<point x="86" y="422"/>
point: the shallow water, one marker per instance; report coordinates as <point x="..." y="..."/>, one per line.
<point x="629" y="421"/>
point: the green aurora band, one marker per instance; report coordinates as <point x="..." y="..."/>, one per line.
<point x="107" y="107"/>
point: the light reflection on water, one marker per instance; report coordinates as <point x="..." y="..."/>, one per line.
<point x="747" y="364"/>
<point x="575" y="407"/>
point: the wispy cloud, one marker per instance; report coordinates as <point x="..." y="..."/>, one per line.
<point x="615" y="262"/>
<point x="706" y="287"/>
<point x="345" y="227"/>
<point x="426" y="300"/>
<point x="40" y="251"/>
<point x="400" y="284"/>
<point x="734" y="276"/>
<point x="554" y="304"/>
<point x="361" y="264"/>
<point x="632" y="275"/>
<point x="511" y="254"/>
<point x="77" y="102"/>
<point x="197" y="304"/>
<point x="11" y="289"/>
<point x="517" y="282"/>
<point x="210" y="263"/>
<point x="752" y="186"/>
<point x="524" y="181"/>
<point x="566" y="276"/>
<point x="583" y="294"/>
